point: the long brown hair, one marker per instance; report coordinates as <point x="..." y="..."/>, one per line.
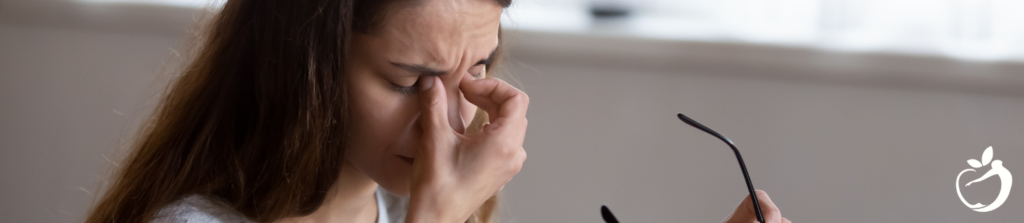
<point x="257" y="119"/>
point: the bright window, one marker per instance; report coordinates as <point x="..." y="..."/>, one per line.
<point x="967" y="29"/>
<point x="179" y="3"/>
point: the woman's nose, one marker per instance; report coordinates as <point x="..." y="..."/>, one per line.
<point x="454" y="106"/>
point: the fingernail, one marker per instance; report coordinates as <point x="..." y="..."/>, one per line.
<point x="426" y="82"/>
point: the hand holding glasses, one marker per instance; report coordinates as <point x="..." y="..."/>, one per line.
<point x="609" y="218"/>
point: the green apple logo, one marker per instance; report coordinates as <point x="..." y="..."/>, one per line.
<point x="997" y="170"/>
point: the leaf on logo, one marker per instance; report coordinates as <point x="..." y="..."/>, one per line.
<point x="974" y="163"/>
<point x="986" y="157"/>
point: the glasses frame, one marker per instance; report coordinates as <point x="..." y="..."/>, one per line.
<point x="608" y="217"/>
<point x="743" y="166"/>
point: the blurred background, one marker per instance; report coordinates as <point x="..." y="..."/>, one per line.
<point x="845" y="110"/>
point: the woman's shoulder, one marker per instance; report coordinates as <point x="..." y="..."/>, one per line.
<point x="198" y="209"/>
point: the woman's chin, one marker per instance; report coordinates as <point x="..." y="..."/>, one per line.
<point x="398" y="178"/>
<point x="401" y="189"/>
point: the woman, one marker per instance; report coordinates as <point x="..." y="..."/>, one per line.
<point x="298" y="110"/>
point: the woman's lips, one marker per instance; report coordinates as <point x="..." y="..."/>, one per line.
<point x="407" y="159"/>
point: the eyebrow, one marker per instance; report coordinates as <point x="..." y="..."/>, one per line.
<point x="420" y="69"/>
<point x="424" y="70"/>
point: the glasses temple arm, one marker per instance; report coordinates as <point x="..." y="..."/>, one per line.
<point x="743" y="166"/>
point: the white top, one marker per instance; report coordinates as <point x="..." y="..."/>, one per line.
<point x="203" y="209"/>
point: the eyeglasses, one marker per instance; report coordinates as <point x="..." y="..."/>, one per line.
<point x="609" y="218"/>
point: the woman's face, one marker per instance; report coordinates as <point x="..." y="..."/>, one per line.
<point x="453" y="39"/>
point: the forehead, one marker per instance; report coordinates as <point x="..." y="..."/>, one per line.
<point x="440" y="31"/>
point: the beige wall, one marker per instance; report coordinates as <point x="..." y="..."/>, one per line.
<point x="825" y="152"/>
<point x="870" y="142"/>
<point x="67" y="98"/>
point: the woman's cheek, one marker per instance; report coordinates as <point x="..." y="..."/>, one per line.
<point x="378" y="114"/>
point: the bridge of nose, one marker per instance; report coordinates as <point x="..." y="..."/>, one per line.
<point x="454" y="96"/>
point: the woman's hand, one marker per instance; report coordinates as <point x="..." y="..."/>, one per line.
<point x="745" y="212"/>
<point x="453" y="174"/>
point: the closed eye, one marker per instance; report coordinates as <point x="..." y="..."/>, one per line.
<point x="405" y="90"/>
<point x="484" y="62"/>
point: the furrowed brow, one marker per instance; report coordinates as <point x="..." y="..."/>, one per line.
<point x="420" y="69"/>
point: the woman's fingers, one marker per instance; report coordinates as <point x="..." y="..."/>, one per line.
<point x="434" y="117"/>
<point x="768" y="209"/>
<point x="744" y="213"/>
<point x="458" y="172"/>
<point x="498" y="98"/>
